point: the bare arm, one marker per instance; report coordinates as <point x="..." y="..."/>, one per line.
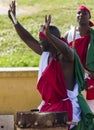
<point x="28" y="38"/>
<point x="59" y="44"/>
<point x="22" y="32"/>
<point x="62" y="46"/>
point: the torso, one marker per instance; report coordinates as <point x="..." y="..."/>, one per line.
<point x="68" y="71"/>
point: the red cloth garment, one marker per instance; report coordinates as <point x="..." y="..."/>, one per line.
<point x="91" y="24"/>
<point x="63" y="39"/>
<point x="42" y="35"/>
<point x="90" y="91"/>
<point x="81" y="46"/>
<point x="52" y="88"/>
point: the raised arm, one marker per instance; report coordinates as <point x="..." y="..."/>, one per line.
<point x="22" y="32"/>
<point x="59" y="44"/>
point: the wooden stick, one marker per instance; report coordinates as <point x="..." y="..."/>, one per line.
<point x="73" y="43"/>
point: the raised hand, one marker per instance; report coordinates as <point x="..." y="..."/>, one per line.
<point x="12" y="11"/>
<point x="47" y="23"/>
<point x="44" y="27"/>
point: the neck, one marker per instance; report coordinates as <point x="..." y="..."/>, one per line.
<point x="83" y="30"/>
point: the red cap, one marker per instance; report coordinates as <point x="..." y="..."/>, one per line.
<point x="82" y="7"/>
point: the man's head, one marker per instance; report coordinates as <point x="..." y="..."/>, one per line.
<point x="84" y="8"/>
<point x="83" y="15"/>
<point x="46" y="45"/>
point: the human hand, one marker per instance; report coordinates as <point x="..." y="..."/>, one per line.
<point x="45" y="26"/>
<point x="12" y="12"/>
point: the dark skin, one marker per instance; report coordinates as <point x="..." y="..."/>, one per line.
<point x="66" y="57"/>
<point x="83" y="18"/>
<point x="23" y="33"/>
<point x="83" y="22"/>
<point x="37" y="46"/>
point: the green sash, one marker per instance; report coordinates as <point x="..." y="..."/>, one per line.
<point x="90" y="52"/>
<point x="87" y="121"/>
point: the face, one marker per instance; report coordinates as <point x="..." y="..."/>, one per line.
<point x="46" y="46"/>
<point x="83" y="17"/>
<point x="43" y="44"/>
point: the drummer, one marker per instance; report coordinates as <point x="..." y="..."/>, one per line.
<point x="62" y="75"/>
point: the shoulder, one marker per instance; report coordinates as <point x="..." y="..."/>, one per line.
<point x="69" y="34"/>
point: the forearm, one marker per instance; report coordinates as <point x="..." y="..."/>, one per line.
<point x="27" y="38"/>
<point x="22" y="32"/>
<point x="61" y="46"/>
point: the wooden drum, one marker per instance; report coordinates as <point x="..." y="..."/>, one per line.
<point x="34" y="120"/>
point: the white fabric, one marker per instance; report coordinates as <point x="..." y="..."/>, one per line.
<point x="71" y="34"/>
<point x="76" y="108"/>
<point x="41" y="104"/>
<point x="71" y="94"/>
<point x="43" y="63"/>
<point x="87" y="76"/>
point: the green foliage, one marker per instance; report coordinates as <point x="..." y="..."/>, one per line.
<point x="13" y="51"/>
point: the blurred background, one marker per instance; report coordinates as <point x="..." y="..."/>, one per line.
<point x="30" y="13"/>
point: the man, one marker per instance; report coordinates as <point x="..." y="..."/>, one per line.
<point x="52" y="83"/>
<point x="62" y="79"/>
<point x="82" y="39"/>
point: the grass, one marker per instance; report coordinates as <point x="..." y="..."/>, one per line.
<point x="13" y="51"/>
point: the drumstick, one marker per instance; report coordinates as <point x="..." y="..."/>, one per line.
<point x="71" y="123"/>
<point x="73" y="43"/>
<point x="13" y="17"/>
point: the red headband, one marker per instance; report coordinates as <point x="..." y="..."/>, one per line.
<point x="82" y="7"/>
<point x="42" y="35"/>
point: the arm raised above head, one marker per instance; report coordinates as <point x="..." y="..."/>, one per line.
<point x="63" y="47"/>
<point x="29" y="40"/>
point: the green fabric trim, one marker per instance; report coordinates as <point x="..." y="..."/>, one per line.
<point x="86" y="115"/>
<point x="90" y="53"/>
<point x="81" y="126"/>
<point x="79" y="72"/>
